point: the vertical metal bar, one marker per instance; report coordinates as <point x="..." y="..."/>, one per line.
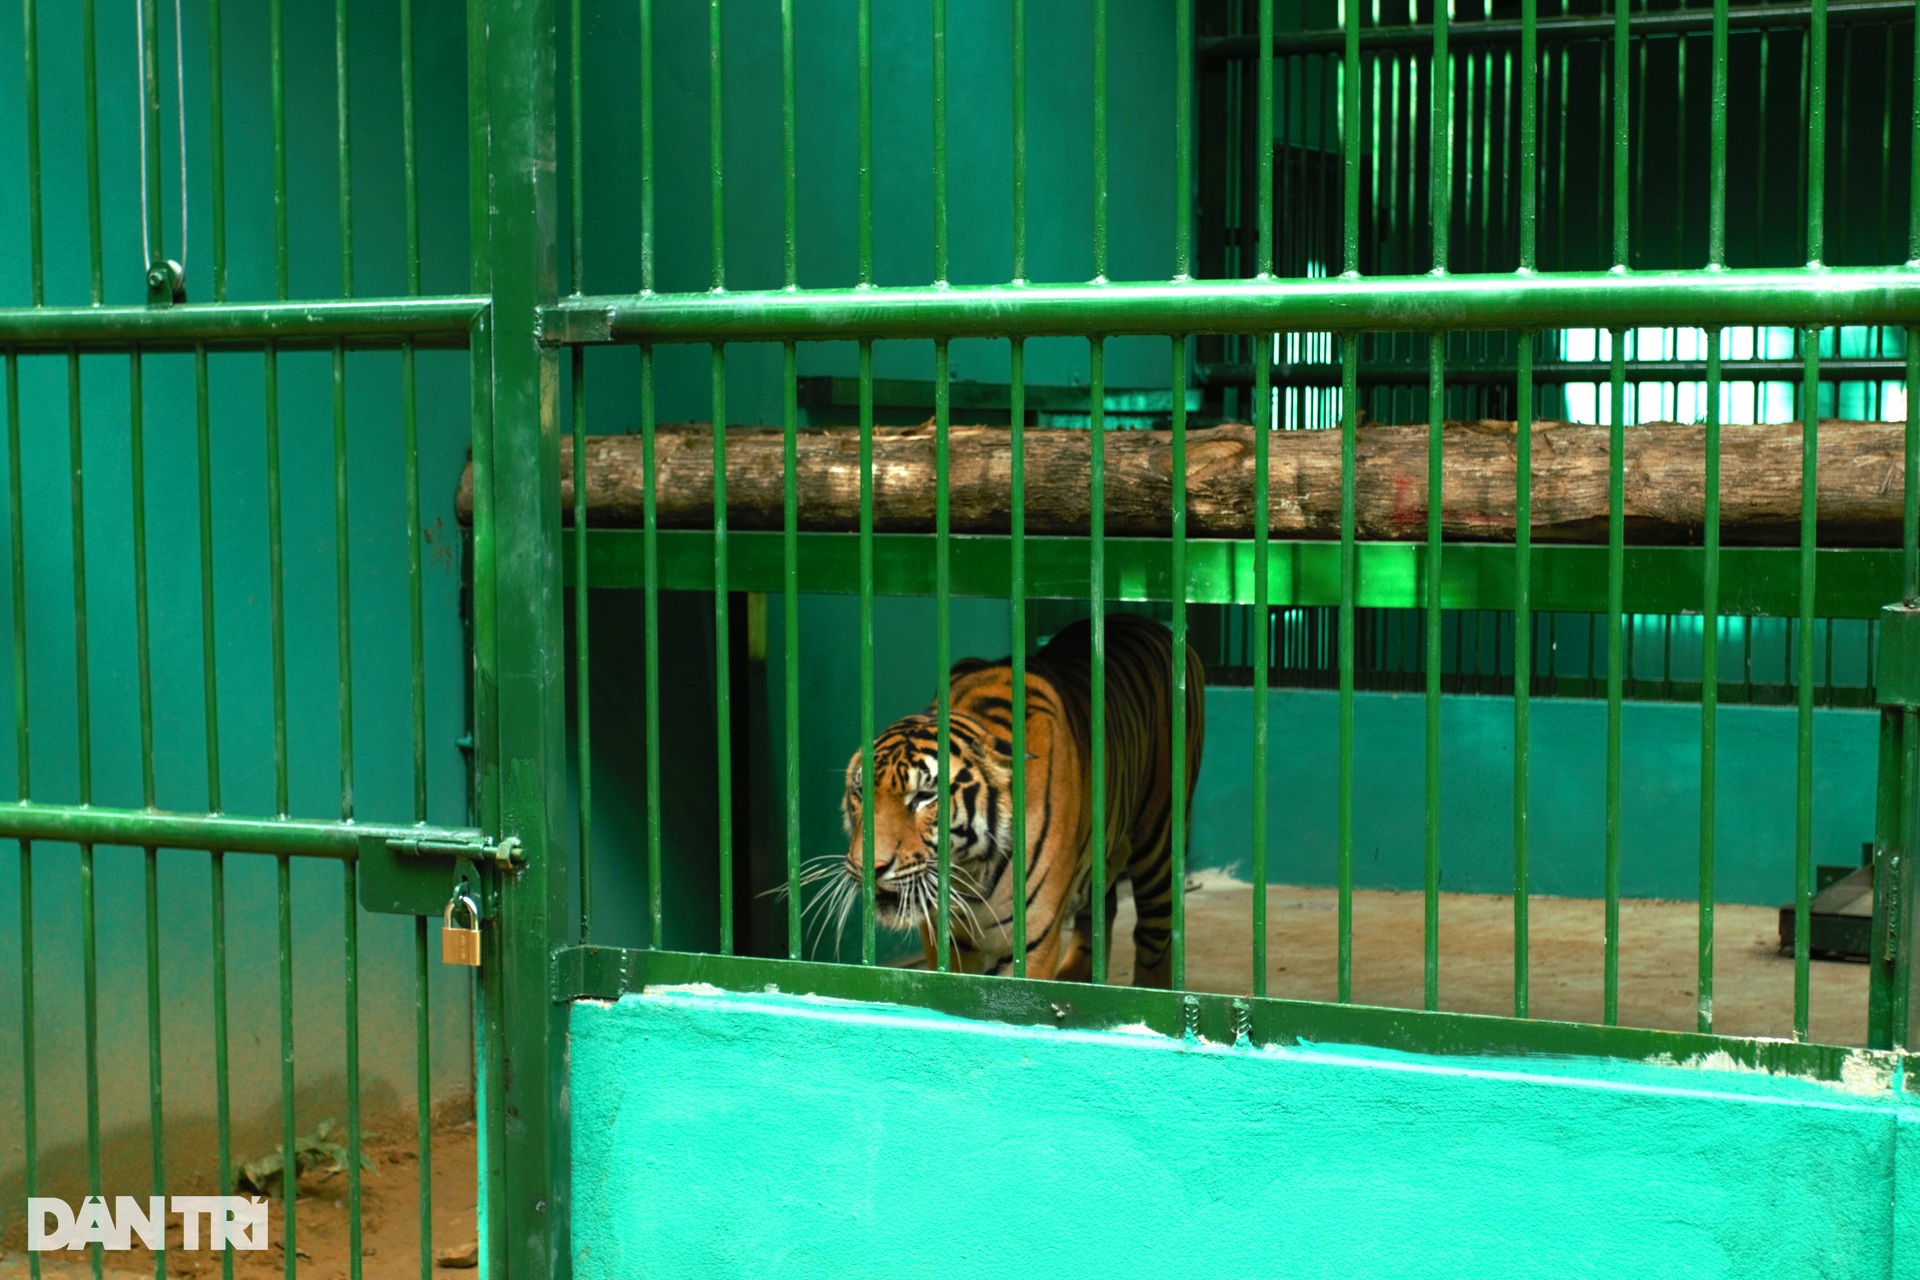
<point x="90" y="983"/>
<point x="863" y="54"/>
<point x="410" y="420"/>
<point x="722" y="645"/>
<point x="582" y="666"/>
<point x="276" y="53"/>
<point x="217" y="167"/>
<point x="16" y="530"/>
<point x="91" y="88"/>
<point x="288" y="1128"/>
<point x="350" y="909"/>
<point x="1616" y="650"/>
<point x="1710" y="631"/>
<point x="341" y="98"/>
<point x="276" y="581"/>
<point x="1441" y="202"/>
<point x="1809" y="522"/>
<point x="36" y="259"/>
<point x="1183" y="269"/>
<point x="650" y="551"/>
<point x="423" y="1092"/>
<point x="1017" y="481"/>
<point x="1097" y="698"/>
<point x="1260" y="418"/>
<point x="942" y="662"/>
<point x="650" y="517"/>
<point x="790" y="498"/>
<point x="1349" y="583"/>
<point x="869" y="946"/>
<point x="156" y="1110"/>
<point x="1099" y="136"/>
<point x="343" y="578"/>
<point x="1529" y="179"/>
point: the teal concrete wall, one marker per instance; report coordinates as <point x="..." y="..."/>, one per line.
<point x="1659" y="788"/>
<point x="382" y="777"/>
<point x="718" y="1135"/>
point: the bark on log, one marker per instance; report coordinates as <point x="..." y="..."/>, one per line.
<point x="1860" y="478"/>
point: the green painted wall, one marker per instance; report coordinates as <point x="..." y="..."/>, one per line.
<point x="1660" y="794"/>
<point x="382" y="777"/>
<point x="718" y="1135"/>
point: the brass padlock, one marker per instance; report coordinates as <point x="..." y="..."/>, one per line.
<point x="460" y="944"/>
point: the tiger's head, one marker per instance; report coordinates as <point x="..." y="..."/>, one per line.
<point x="906" y="818"/>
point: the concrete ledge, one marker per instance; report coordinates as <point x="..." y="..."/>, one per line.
<point x="768" y="1135"/>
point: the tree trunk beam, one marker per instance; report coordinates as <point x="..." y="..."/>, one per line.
<point x="1860" y="481"/>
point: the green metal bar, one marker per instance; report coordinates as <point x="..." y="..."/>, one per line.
<point x="1019" y="40"/>
<point x="277" y="74"/>
<point x="217" y="166"/>
<point x="359" y="323"/>
<point x="576" y="146"/>
<point x="1350" y="142"/>
<point x="77" y="509"/>
<point x="1260" y="415"/>
<point x="522" y="1057"/>
<point x="722" y="645"/>
<point x="222" y="1080"/>
<point x="1349" y="592"/>
<point x="790" y="604"/>
<point x="16" y="525"/>
<point x="940" y="131"/>
<point x="1099" y="137"/>
<point x="423" y="1092"/>
<point x="1404" y="304"/>
<point x="582" y="685"/>
<point x="869" y="946"/>
<point x="864" y="58"/>
<point x="1436" y="422"/>
<point x="156" y="1094"/>
<point x="36" y="256"/>
<point x="284" y="900"/>
<point x="136" y="828"/>
<point x="606" y="973"/>
<point x="1717" y="165"/>
<point x="1755" y="581"/>
<point x="1177" y="737"/>
<point x="342" y="113"/>
<point x="1182" y="140"/>
<point x="650" y="535"/>
<point x="1529" y="179"/>
<point x="409" y="148"/>
<point x="95" y="274"/>
<point x="90" y="1001"/>
<point x="416" y="581"/>
<point x="350" y="958"/>
<point x="647" y="227"/>
<point x="1017" y="617"/>
<point x="1616" y="650"/>
<point x="343" y="580"/>
<point x="156" y="1109"/>
<point x="1097" y="688"/>
<point x="276" y="583"/>
<point x="29" y="1100"/>
<point x="1803" y="677"/>
<point x="1710" y="628"/>
<point x="943" y="662"/>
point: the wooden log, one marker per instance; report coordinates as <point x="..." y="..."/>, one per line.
<point x="1860" y="481"/>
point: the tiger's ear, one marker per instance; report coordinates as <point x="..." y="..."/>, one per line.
<point x="967" y="666"/>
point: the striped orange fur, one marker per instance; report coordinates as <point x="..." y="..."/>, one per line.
<point x="1059" y="827"/>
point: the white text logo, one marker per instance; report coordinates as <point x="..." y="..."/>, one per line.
<point x="238" y="1221"/>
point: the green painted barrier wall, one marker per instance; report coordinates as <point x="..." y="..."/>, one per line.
<point x="719" y="1135"/>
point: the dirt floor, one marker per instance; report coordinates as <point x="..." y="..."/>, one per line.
<point x="389" y="1222"/>
<point x="1753" y="982"/>
<point x="1754" y="997"/>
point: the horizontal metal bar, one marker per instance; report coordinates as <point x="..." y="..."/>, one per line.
<point x="1755" y="581"/>
<point x="1421" y="304"/>
<point x="1559" y="372"/>
<point x="606" y="973"/>
<point x="137" y="828"/>
<point x="1466" y="33"/>
<point x="357" y="322"/>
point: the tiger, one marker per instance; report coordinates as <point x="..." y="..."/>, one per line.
<point x="1059" y="828"/>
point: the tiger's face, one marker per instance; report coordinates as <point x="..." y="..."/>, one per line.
<point x="906" y="820"/>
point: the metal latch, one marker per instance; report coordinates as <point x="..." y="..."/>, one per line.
<point x="504" y="855"/>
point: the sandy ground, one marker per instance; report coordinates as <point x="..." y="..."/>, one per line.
<point x="1753" y="997"/>
<point x="389" y="1220"/>
<point x="1753" y="983"/>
